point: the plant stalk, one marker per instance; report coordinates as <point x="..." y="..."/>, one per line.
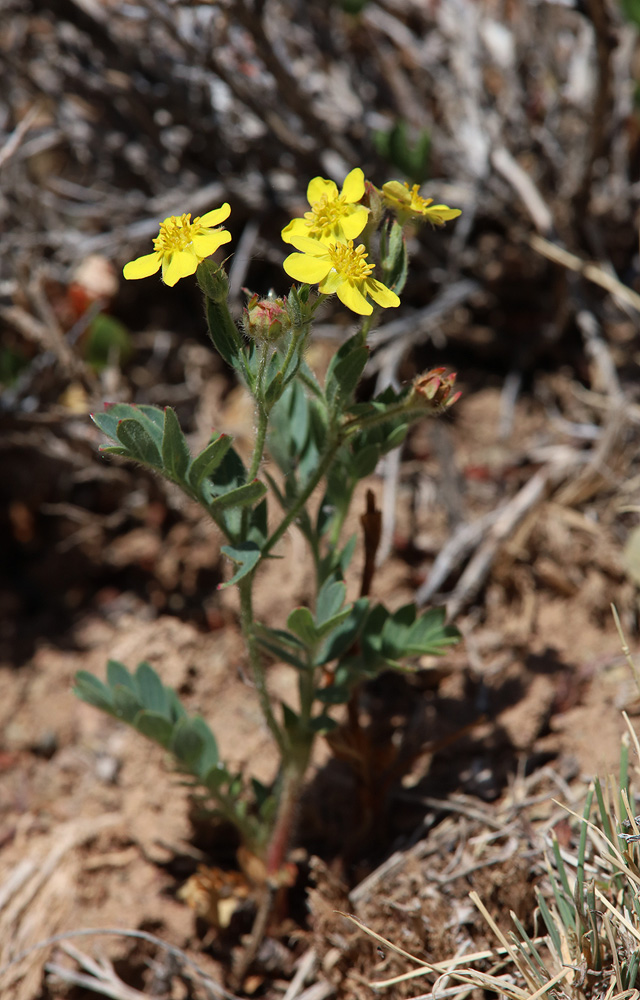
<point x="245" y="587"/>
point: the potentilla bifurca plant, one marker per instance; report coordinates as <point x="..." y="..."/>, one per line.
<point x="350" y="243"/>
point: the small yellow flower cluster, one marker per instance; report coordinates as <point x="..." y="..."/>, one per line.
<point x="325" y="239"/>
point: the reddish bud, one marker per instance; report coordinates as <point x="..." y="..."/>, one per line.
<point x="435" y="389"/>
<point x="266" y="319"/>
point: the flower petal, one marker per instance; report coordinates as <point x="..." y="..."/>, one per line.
<point x="441" y="213"/>
<point x="319" y="186"/>
<point x="297" y="227"/>
<point x="216" y="216"/>
<point x="353" y="299"/>
<point x="143" y="267"/>
<point x="332" y="282"/>
<point x="381" y="294"/>
<point x="306" y="244"/>
<point x="353" y="187"/>
<point x="178" y="265"/>
<point x="302" y="267"/>
<point x="354" y="221"/>
<point x="205" y="244"/>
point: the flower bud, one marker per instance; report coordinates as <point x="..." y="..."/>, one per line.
<point x="212" y="279"/>
<point x="266" y="319"/>
<point x="433" y="390"/>
<point x="373" y="201"/>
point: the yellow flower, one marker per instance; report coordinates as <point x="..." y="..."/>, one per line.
<point x="408" y="203"/>
<point x="180" y="246"/>
<point x="333" y="215"/>
<point x="340" y="268"/>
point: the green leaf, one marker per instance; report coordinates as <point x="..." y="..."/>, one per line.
<point x="365" y="460"/>
<point x="175" y="707"/>
<point x="150" y="418"/>
<point x="346" y="374"/>
<point x="151" y="690"/>
<point x="209" y="756"/>
<point x="257" y="530"/>
<point x="92" y="690"/>
<point x="282" y="645"/>
<point x="394" y="246"/>
<point x="334" y="694"/>
<point x="209" y="459"/>
<point x="301" y="623"/>
<point x="153" y="419"/>
<point x="126" y="703"/>
<point x="331" y="624"/>
<point x="139" y="443"/>
<point x="395" y="437"/>
<point x="240" y="497"/>
<point x="330" y="599"/>
<point x="154" y="726"/>
<point x="343" y="638"/>
<point x="224" y="334"/>
<point x="117" y="673"/>
<point x="430" y="636"/>
<point x="274" y="390"/>
<point x="246" y="556"/>
<point x="187" y="743"/>
<point x="216" y="777"/>
<point x="175" y="450"/>
<point x="322" y="724"/>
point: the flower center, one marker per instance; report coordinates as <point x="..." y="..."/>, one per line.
<point x="350" y="263"/>
<point x="418" y="203"/>
<point x="324" y="214"/>
<point x="176" y="233"/>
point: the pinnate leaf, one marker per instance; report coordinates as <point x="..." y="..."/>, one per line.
<point x="151" y="690"/>
<point x="154" y="726"/>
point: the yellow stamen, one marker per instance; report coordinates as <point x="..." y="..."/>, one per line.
<point x="324" y="214"/>
<point x="176" y="233"/>
<point x="351" y="263"/>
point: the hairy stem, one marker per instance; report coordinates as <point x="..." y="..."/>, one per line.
<point x="322" y="468"/>
<point x="245" y="587"/>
